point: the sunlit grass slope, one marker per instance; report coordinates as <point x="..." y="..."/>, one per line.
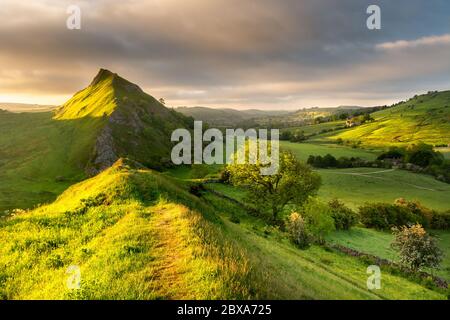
<point x="137" y="234"/>
<point x="132" y="238"/>
<point x="314" y="273"/>
<point x="356" y="186"/>
<point x="41" y="154"/>
<point x="303" y="150"/>
<point x="39" y="158"/>
<point x="378" y="243"/>
<point x="423" y="118"/>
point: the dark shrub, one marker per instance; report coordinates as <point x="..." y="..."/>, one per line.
<point x="311" y="160"/>
<point x="225" y="176"/>
<point x="385" y="216"/>
<point x="344" y="217"/>
<point x="286" y="135"/>
<point x="318" y="162"/>
<point x="440" y="220"/>
<point x="392" y="153"/>
<point x="423" y="155"/>
<point x="329" y="161"/>
<point x="344" y="162"/>
<point x="423" y="214"/>
<point x="197" y="189"/>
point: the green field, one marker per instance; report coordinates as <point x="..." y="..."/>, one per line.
<point x="356" y="186"/>
<point x="378" y="243"/>
<point x="317" y="128"/>
<point x="157" y="240"/>
<point x="38" y="161"/>
<point x="137" y="233"/>
<point x="303" y="150"/>
<point x="423" y="118"/>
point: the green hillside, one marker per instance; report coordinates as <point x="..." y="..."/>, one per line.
<point x="25" y="107"/>
<point x="377" y="243"/>
<point x="423" y="118"/>
<point x="42" y="153"/>
<point x="228" y="117"/>
<point x="135" y="234"/>
<point x="38" y="158"/>
<point x="355" y="186"/>
<point x="124" y="120"/>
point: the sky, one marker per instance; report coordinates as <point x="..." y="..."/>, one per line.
<point x="265" y="54"/>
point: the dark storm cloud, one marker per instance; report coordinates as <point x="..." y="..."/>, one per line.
<point x="248" y="53"/>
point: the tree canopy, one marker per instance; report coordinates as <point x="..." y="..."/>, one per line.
<point x="292" y="184"/>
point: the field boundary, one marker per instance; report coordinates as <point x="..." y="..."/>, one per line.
<point x="438" y="281"/>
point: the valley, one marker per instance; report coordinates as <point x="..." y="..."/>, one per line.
<point x="90" y="184"/>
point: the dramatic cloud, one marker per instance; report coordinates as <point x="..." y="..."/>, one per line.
<point x="421" y="42"/>
<point x="244" y="54"/>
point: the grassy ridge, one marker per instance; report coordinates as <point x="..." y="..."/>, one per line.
<point x="140" y="235"/>
<point x="133" y="244"/>
<point x="423" y="118"/>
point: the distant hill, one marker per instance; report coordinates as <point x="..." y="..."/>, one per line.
<point x="228" y="117"/>
<point x="24" y="107"/>
<point x="423" y="118"/>
<point x="313" y="113"/>
<point x="275" y="118"/>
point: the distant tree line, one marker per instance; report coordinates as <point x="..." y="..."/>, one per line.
<point x="419" y="158"/>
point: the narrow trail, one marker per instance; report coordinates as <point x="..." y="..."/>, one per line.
<point x="368" y="175"/>
<point x="171" y="253"/>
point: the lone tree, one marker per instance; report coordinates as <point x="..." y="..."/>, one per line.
<point x="416" y="248"/>
<point x="162" y="101"/>
<point x="292" y="184"/>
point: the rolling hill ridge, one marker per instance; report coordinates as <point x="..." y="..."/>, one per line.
<point x="424" y="118"/>
<point x="127" y="121"/>
<point x="42" y="153"/>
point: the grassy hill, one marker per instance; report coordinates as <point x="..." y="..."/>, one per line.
<point x="124" y="120"/>
<point x="227" y="117"/>
<point x="37" y="159"/>
<point x="25" y="107"/>
<point x="423" y="118"/>
<point x="137" y="234"/>
<point x="42" y="153"/>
